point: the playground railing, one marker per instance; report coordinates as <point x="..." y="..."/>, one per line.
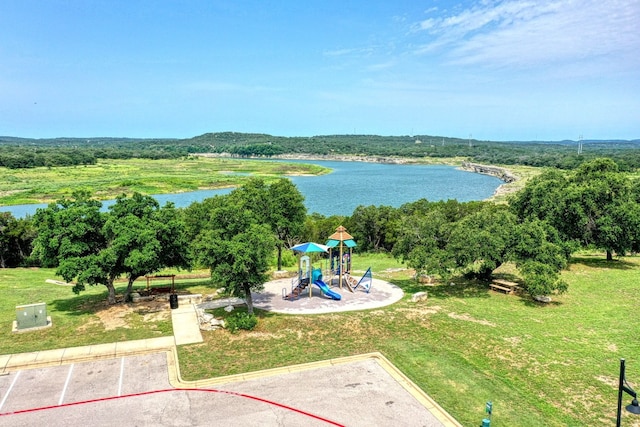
<point x="365" y="281"/>
<point x="295" y="283"/>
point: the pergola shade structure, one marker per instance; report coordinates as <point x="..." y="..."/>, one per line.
<point x="342" y="240"/>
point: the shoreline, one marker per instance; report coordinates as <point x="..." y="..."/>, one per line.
<point x="325" y="157"/>
<point x="501" y="173"/>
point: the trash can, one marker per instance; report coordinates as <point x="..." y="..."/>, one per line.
<point x="173" y="301"/>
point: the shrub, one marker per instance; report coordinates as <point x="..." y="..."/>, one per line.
<point x="288" y="259"/>
<point x="244" y="321"/>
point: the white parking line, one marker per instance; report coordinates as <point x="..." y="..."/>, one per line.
<point x="121" y="376"/>
<point x="4" y="399"/>
<point x="66" y="384"/>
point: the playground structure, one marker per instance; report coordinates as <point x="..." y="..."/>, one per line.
<point x="307" y="275"/>
<point x="340" y="266"/>
<point x="341" y="259"/>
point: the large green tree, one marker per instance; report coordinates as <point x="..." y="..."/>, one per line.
<point x="594" y="205"/>
<point x="16" y="237"/>
<point x="422" y="241"/>
<point x="540" y="254"/>
<point x="286" y="214"/>
<point x="135" y="237"/>
<point x="68" y="228"/>
<point x="475" y="239"/>
<point x="479" y="243"/>
<point x="374" y="227"/>
<point x="144" y="238"/>
<point x="236" y="244"/>
<point x="318" y="228"/>
<point x="279" y="205"/>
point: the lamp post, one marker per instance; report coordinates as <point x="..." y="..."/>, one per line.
<point x="634" y="407"/>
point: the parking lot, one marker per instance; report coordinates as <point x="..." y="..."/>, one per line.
<point x="136" y="390"/>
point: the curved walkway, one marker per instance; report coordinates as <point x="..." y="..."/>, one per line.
<point x="382" y="294"/>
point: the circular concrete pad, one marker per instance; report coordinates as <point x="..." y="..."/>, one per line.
<point x="381" y="294"/>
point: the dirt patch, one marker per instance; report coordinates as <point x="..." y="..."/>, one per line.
<point x="116" y="316"/>
<point x="265" y="335"/>
<point x="468" y="318"/>
<point x="58" y="282"/>
<point x="513" y="340"/>
<point x="157" y="316"/>
<point x="613" y="382"/>
<point x="394" y="270"/>
<point x="419" y="313"/>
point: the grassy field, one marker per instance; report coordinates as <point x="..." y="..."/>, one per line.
<point x="541" y="365"/>
<point x="77" y="320"/>
<point x="110" y="178"/>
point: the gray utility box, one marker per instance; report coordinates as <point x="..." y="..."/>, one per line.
<point x="31" y="315"/>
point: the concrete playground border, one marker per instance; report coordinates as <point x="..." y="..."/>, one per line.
<point x="311" y="301"/>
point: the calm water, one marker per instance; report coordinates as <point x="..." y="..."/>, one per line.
<point x="355" y="183"/>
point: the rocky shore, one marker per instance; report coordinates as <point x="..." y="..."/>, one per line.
<point x="327" y="157"/>
<point x="498" y="172"/>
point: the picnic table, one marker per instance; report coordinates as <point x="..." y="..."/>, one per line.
<point x="505" y="286"/>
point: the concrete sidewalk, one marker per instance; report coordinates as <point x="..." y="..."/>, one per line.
<point x="186" y="327"/>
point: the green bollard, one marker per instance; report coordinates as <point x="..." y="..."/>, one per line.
<point x="486" y="422"/>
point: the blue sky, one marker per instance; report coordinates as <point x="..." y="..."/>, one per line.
<point x="501" y="70"/>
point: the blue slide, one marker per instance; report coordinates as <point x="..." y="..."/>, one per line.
<point x="325" y="290"/>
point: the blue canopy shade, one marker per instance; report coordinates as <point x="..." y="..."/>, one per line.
<point x="310" y="247"/>
<point x="350" y="243"/>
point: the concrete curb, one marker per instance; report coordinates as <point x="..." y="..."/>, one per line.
<point x="66" y="356"/>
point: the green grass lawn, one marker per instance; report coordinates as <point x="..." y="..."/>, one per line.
<point x="77" y="319"/>
<point x="110" y="178"/>
<point x="541" y="365"/>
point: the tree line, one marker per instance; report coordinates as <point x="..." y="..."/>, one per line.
<point x="25" y="157"/>
<point x="595" y="206"/>
<point x="18" y="152"/>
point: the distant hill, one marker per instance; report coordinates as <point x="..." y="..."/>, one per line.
<point x="561" y="154"/>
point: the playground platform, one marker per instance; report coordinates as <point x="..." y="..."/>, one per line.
<point x="382" y="294"/>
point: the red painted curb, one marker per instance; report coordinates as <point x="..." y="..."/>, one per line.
<point x="232" y="393"/>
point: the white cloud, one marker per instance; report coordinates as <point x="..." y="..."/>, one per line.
<point x="381" y="65"/>
<point x="528" y="33"/>
<point x="350" y="51"/>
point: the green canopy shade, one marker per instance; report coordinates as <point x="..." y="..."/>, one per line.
<point x="332" y="243"/>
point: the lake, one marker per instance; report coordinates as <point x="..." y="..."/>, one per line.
<point x="352" y="184"/>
